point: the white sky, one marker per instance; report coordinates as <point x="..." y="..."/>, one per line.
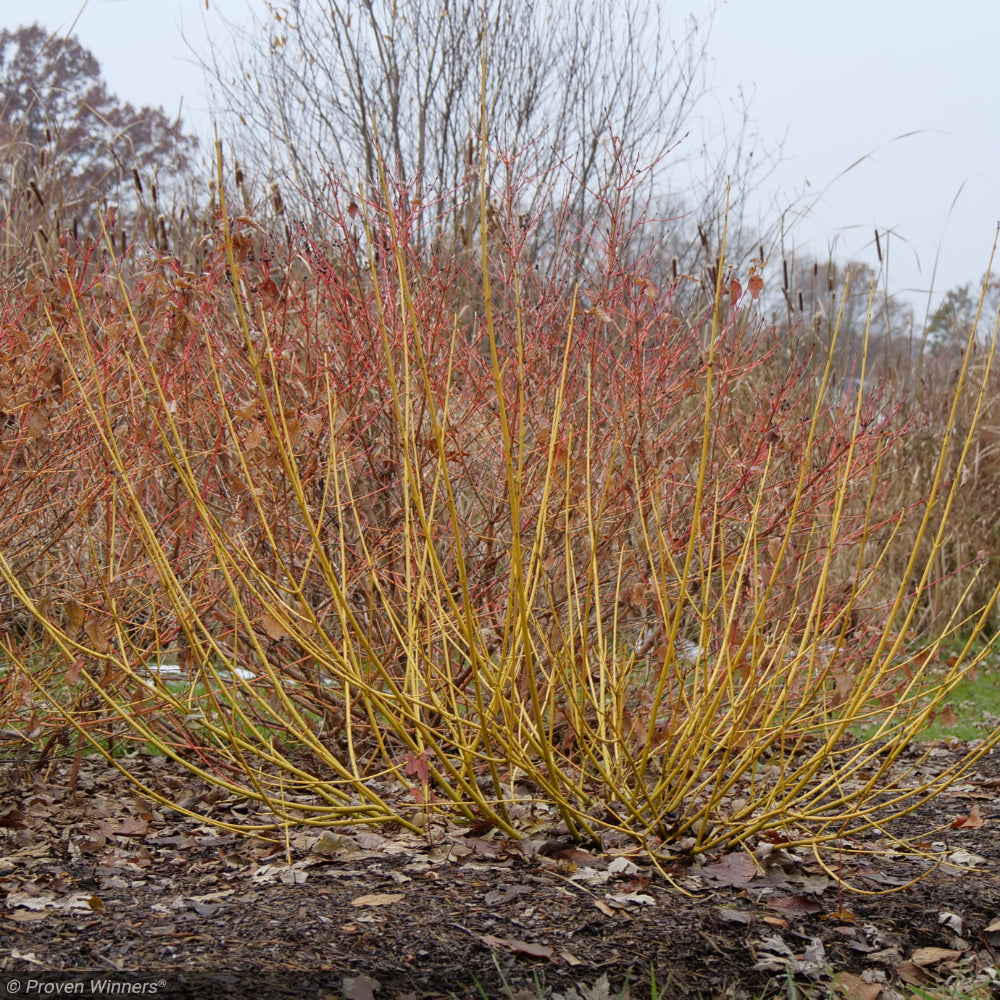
<point x="836" y="81"/>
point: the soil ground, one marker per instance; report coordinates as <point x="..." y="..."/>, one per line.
<point x="103" y="893"/>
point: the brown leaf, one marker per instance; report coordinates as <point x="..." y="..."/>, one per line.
<point x="855" y="988"/>
<point x="272" y="626"/>
<point x="96" y="635"/>
<point x="360" y="988"/>
<point x="128" y="827"/>
<point x="843" y="686"/>
<point x="74" y="613"/>
<point x="496" y="897"/>
<point x="931" y="956"/>
<point x="418" y="764"/>
<point x="913" y="974"/>
<point x="519" y="947"/>
<point x="794" y="904"/>
<point x="971" y="822"/>
<point x="255" y="438"/>
<point x="26" y="916"/>
<point x="13" y="819"/>
<point x="948" y="718"/>
<point x="734" y="869"/>
<point x="990" y="934"/>
<point x="756" y="285"/>
<point x="378" y="899"/>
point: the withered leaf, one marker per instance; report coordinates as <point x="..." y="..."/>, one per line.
<point x="971" y="822"/>
<point x="360" y="987"/>
<point x="734" y="869"/>
<point x="519" y="947"/>
<point x="931" y="956"/>
<point x="855" y="988"/>
<point x="794" y="904"/>
<point x="378" y="899"/>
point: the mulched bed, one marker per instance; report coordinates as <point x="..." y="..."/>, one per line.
<point x="100" y="887"/>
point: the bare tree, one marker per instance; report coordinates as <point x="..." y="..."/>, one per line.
<point x="581" y="99"/>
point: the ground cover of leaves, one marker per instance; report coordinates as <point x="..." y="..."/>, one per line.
<point x="98" y="885"/>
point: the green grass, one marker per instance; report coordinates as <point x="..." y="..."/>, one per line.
<point x="971" y="711"/>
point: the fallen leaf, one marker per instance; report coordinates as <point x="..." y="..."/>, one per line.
<point x="329" y="842"/>
<point x="360" y="987"/>
<point x="519" y="947"/>
<point x="574" y="856"/>
<point x="931" y="956"/>
<point x="855" y="988"/>
<point x="913" y="974"/>
<point x="966" y="859"/>
<point x="631" y="897"/>
<point x="971" y="822"/>
<point x="497" y="896"/>
<point x="735" y="869"/>
<point x="13" y="819"/>
<point x="794" y="904"/>
<point x="622" y="866"/>
<point x="128" y="827"/>
<point x="378" y="899"/>
<point x="279" y="873"/>
<point x="78" y="902"/>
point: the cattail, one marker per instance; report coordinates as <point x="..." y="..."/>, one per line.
<point x="279" y="205"/>
<point x="137" y="180"/>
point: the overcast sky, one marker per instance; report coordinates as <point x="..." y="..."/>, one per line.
<point x="835" y="83"/>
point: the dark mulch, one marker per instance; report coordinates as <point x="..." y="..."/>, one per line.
<point x="98" y="884"/>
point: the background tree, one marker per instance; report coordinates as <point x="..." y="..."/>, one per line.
<point x="68" y="147"/>
<point x="582" y="100"/>
<point x="951" y="322"/>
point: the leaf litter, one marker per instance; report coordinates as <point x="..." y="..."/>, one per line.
<point x="101" y="874"/>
